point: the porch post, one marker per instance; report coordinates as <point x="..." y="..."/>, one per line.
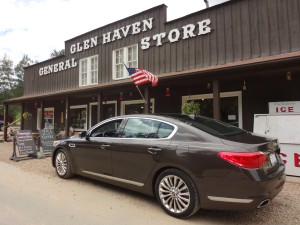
<point x="100" y="108"/>
<point x="22" y="118"/>
<point x="147" y="100"/>
<point x="42" y="117"/>
<point x="5" y="121"/>
<point x="216" y="99"/>
<point x="67" y="115"/>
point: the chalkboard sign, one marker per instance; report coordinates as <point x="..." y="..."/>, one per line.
<point x="47" y="137"/>
<point x="25" y="142"/>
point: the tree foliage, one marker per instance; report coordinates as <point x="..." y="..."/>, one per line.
<point x="56" y="53"/>
<point x="11" y="82"/>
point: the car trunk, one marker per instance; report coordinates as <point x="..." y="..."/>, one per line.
<point x="255" y="143"/>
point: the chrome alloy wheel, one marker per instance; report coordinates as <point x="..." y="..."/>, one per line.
<point x="61" y="163"/>
<point x="174" y="194"/>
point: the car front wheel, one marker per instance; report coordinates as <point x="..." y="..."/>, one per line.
<point x="63" y="164"/>
<point x="177" y="193"/>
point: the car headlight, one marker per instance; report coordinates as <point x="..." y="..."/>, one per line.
<point x="55" y="143"/>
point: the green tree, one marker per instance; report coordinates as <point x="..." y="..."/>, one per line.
<point x="56" y="53"/>
<point x="6" y="74"/>
<point x="11" y="83"/>
<point x="19" y="75"/>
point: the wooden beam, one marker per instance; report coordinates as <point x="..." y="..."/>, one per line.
<point x="216" y="99"/>
<point x="5" y="121"/>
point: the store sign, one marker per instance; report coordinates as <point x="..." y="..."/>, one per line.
<point x="174" y="35"/>
<point x="54" y="68"/>
<point x="284" y="107"/>
<point x="187" y="31"/>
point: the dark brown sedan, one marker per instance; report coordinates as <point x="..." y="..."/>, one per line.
<point x="186" y="162"/>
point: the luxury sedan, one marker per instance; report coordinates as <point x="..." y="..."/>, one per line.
<point x="185" y="162"/>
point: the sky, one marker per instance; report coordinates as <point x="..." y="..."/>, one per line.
<point x="37" y="27"/>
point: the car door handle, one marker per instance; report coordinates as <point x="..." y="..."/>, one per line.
<point x="103" y="147"/>
<point x="153" y="150"/>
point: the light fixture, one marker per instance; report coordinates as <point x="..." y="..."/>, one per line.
<point x="167" y="92"/>
<point x="244" y="86"/>
<point x="104" y="100"/>
<point x="288" y="76"/>
<point x="208" y="85"/>
<point x="121" y="98"/>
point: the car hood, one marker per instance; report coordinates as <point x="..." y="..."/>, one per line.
<point x="252" y="142"/>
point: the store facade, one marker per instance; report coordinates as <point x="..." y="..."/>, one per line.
<point x="234" y="59"/>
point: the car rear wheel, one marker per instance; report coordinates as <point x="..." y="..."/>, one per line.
<point x="63" y="164"/>
<point x="177" y="193"/>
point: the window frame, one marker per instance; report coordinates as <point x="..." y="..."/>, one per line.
<point x="237" y="94"/>
<point x="125" y="60"/>
<point x="89" y="71"/>
<point x="86" y="114"/>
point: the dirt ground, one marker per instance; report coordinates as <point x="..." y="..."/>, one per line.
<point x="119" y="206"/>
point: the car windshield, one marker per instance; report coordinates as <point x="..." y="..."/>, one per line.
<point x="209" y="125"/>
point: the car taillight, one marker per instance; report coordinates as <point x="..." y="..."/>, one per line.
<point x="249" y="160"/>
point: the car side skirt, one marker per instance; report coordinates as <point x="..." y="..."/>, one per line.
<point x="114" y="178"/>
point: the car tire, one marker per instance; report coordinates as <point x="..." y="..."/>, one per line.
<point x="176" y="193"/>
<point x="63" y="164"/>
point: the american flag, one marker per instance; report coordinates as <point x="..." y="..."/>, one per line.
<point x="141" y="77"/>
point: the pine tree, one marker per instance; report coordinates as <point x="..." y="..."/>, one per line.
<point x="19" y="75"/>
<point x="6" y="74"/>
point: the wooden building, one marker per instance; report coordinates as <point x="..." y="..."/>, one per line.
<point x="234" y="59"/>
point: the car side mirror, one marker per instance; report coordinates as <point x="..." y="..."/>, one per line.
<point x="83" y="134"/>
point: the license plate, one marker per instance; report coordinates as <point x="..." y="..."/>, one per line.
<point x="273" y="159"/>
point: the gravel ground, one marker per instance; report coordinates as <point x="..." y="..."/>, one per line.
<point x="284" y="209"/>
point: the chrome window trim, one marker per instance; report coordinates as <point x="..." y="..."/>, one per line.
<point x="224" y="199"/>
<point x="114" y="178"/>
<point x="136" y="117"/>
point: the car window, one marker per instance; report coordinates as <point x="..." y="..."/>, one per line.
<point x="108" y="129"/>
<point x="146" y="128"/>
<point x="210" y="125"/>
<point x="140" y="128"/>
<point x="164" y="130"/>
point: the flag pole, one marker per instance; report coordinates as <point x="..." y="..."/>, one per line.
<point x="136" y="86"/>
<point x="140" y="93"/>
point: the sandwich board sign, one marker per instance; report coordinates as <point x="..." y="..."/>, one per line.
<point x="47" y="137"/>
<point x="24" y="145"/>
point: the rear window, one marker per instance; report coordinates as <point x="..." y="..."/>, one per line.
<point x="211" y="126"/>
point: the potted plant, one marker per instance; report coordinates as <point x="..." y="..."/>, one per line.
<point x="191" y="108"/>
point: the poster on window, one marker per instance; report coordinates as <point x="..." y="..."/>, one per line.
<point x="49" y="119"/>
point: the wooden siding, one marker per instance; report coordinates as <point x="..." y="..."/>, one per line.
<point x="241" y="30"/>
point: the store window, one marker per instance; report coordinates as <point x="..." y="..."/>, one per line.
<point x="78" y="117"/>
<point x="127" y="56"/>
<point x="230" y="102"/>
<point x="135" y="107"/>
<point x="48" y="118"/>
<point x="88" y="71"/>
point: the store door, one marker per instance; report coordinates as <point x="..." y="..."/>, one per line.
<point x="109" y="110"/>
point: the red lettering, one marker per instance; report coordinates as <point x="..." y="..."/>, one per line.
<point x="291" y="109"/>
<point x="283" y="155"/>
<point x="277" y="109"/>
<point x="297" y="160"/>
<point x="283" y="109"/>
